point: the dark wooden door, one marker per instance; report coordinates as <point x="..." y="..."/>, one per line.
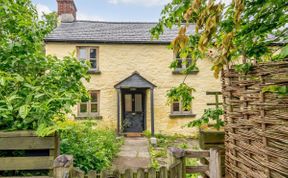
<point x="133" y="111"/>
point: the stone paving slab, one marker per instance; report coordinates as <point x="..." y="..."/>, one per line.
<point x="133" y="154"/>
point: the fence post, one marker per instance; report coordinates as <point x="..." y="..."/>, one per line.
<point x="92" y="174"/>
<point x="63" y="165"/>
<point x="215" y="163"/>
<point x="177" y="154"/>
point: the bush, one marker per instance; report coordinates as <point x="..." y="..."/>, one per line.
<point x="92" y="149"/>
<point x="35" y="89"/>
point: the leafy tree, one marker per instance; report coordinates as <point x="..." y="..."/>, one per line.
<point x="35" y="89"/>
<point x="244" y="29"/>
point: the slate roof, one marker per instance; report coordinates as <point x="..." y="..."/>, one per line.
<point x="110" y="32"/>
<point x="135" y="81"/>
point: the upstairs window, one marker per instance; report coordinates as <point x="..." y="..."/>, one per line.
<point x="181" y="64"/>
<point x="91" y="107"/>
<point x="90" y="54"/>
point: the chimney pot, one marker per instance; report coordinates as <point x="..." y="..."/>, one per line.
<point x="66" y="10"/>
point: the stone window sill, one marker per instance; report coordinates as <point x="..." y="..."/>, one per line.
<point x="89" y="118"/>
<point x="93" y="71"/>
<point x="172" y="116"/>
<point x="179" y="72"/>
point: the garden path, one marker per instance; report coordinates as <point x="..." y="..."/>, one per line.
<point x="133" y="154"/>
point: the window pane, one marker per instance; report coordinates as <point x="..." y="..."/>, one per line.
<point x="179" y="63"/>
<point x="188" y="63"/>
<point x="93" y="64"/>
<point x="176" y="107"/>
<point x="94" y="108"/>
<point x="93" y="53"/>
<point x="83" y="108"/>
<point x="138" y="103"/>
<point x="128" y="103"/>
<point x="82" y="53"/>
<point x="94" y="97"/>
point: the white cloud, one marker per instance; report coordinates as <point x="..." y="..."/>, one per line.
<point x="82" y="16"/>
<point x="42" y="9"/>
<point x="141" y="2"/>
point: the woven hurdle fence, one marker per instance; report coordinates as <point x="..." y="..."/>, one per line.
<point x="256" y="122"/>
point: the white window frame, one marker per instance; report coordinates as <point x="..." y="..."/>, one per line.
<point x="183" y="67"/>
<point x="89" y="103"/>
<point x="88" y="48"/>
<point x="181" y="110"/>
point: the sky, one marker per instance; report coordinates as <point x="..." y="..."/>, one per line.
<point x="112" y="10"/>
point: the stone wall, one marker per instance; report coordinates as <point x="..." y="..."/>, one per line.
<point x="118" y="61"/>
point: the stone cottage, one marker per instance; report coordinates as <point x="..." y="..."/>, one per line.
<point x="130" y="74"/>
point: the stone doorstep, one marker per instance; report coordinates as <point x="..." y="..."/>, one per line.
<point x="132" y="134"/>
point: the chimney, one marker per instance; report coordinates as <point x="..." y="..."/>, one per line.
<point x="66" y="10"/>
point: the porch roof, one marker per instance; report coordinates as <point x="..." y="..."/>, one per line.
<point x="135" y="81"/>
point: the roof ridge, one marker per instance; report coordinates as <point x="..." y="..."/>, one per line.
<point x="113" y="22"/>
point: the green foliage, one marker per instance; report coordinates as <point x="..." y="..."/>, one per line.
<point x="34" y="88"/>
<point x="183" y="146"/>
<point x="242" y="28"/>
<point x="282" y="55"/>
<point x="92" y="149"/>
<point x="147" y="133"/>
<point x="192" y="162"/>
<point x="244" y="68"/>
<point x="280" y="90"/>
<point x="208" y="116"/>
<point x="182" y="93"/>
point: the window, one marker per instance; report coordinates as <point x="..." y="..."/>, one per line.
<point x="177" y="109"/>
<point x="182" y="64"/>
<point x="91" y="107"/>
<point x="91" y="54"/>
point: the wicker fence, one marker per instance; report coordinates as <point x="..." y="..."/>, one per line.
<point x="256" y="128"/>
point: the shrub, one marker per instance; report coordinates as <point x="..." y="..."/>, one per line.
<point x="92" y="149"/>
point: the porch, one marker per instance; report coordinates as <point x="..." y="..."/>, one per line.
<point x="132" y="104"/>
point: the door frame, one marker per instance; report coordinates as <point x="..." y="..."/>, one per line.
<point x="144" y="102"/>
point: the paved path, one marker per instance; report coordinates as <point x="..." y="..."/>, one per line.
<point x="134" y="154"/>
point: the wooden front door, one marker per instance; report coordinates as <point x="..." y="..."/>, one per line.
<point x="133" y="109"/>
